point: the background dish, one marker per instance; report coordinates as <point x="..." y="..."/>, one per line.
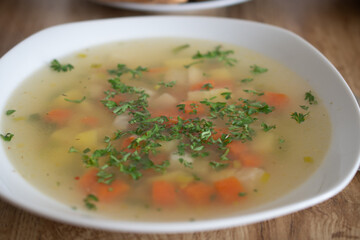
<point x="191" y="6"/>
<point x="281" y="45"/>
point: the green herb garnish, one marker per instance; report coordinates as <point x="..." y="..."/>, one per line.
<point x="180" y="48"/>
<point x="304" y="107"/>
<point x="9" y="112"/>
<point x="254" y="92"/>
<point x="310" y="97"/>
<point x="221" y="56"/>
<point x="266" y="127"/>
<point x="246" y="80"/>
<point x="255" y="69"/>
<point x="299" y="117"/>
<point x="7" y="137"/>
<point x="89" y="201"/>
<point x="123" y="69"/>
<point x="57" y="66"/>
<point x="73" y="150"/>
<point x="75" y="101"/>
<point x="167" y="84"/>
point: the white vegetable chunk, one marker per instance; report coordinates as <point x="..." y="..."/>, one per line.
<point x="176" y="164"/>
<point x="165" y="100"/>
<point x="180" y="76"/>
<point x="249" y="177"/>
<point x="121" y="122"/>
<point x="195" y="75"/>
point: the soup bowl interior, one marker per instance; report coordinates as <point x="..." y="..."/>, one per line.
<point x="332" y="176"/>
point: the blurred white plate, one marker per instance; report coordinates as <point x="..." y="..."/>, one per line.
<point x="191" y="6"/>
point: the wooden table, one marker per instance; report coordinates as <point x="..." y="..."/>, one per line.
<point x="332" y="26"/>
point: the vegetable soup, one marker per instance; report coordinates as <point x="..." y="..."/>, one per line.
<point x="165" y="130"/>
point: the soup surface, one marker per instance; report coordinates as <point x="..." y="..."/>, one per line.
<point x="165" y="129"/>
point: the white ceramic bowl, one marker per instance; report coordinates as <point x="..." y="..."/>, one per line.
<point x="333" y="175"/>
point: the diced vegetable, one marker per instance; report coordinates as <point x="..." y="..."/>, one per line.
<point x="58" y="116"/>
<point x="278" y="100"/>
<point x="86" y="139"/>
<point x="164" y="101"/>
<point x="229" y="189"/>
<point x="90" y="121"/>
<point x="163" y="193"/>
<point x="195" y="75"/>
<point x="199" y="193"/>
<point x="104" y="192"/>
<point x="201" y="95"/>
<point x="249" y="176"/>
<point x="121" y="122"/>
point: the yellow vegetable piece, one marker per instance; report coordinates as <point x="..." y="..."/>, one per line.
<point x="265" y="177"/>
<point x="308" y="159"/>
<point x="87" y="139"/>
<point x="81" y="55"/>
<point x="19" y="119"/>
<point x="95" y="65"/>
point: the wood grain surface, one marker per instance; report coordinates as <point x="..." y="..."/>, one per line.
<point x="332" y="26"/>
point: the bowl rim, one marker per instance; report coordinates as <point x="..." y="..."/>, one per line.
<point x="201" y="225"/>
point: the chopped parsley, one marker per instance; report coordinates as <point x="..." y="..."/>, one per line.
<point x="299" y="117"/>
<point x="255" y="69"/>
<point x="304" y="107"/>
<point x="266" y="127"/>
<point x="180" y="48"/>
<point x="207" y="86"/>
<point x="58" y="67"/>
<point x="310" y="98"/>
<point x="218" y="54"/>
<point x="123" y="69"/>
<point x="89" y="201"/>
<point x="246" y="80"/>
<point x="7" y="137"/>
<point x="167" y="84"/>
<point x="73" y="150"/>
<point x="75" y="101"/>
<point x="9" y="112"/>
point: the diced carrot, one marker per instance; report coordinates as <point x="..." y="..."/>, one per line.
<point x="236" y="148"/>
<point x="172" y="117"/>
<point x="198" y="193"/>
<point x="90" y="121"/>
<point x="118" y="98"/>
<point x="157" y="69"/>
<point x="229" y="189"/>
<point x="104" y="192"/>
<point x="59" y="116"/>
<point x="219" y="133"/>
<point x="249" y="159"/>
<point x="163" y="193"/>
<point x="193" y="108"/>
<point x="126" y="142"/>
<point x="277" y="100"/>
<point x="202" y="85"/>
<point x="108" y="192"/>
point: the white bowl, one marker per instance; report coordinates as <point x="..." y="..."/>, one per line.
<point x="333" y="175"/>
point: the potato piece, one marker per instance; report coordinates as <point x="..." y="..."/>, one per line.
<point x="64" y="135"/>
<point x="218" y="175"/>
<point x="176" y="164"/>
<point x="181" y="177"/>
<point x="201" y="95"/>
<point x="178" y="75"/>
<point x="121" y="122"/>
<point x="250" y="177"/>
<point x="87" y="139"/>
<point x="195" y="75"/>
<point x="165" y="100"/>
<point x="264" y="142"/>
